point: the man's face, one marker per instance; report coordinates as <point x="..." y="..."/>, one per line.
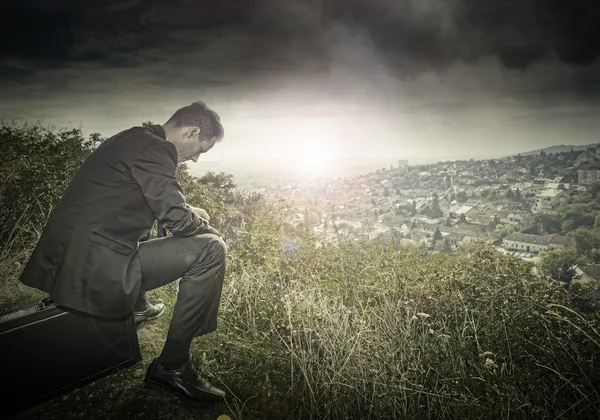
<point x="194" y="144"/>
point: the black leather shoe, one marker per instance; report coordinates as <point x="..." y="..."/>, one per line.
<point x="153" y="312"/>
<point x="183" y="382"/>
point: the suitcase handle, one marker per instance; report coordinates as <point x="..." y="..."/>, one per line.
<point x="44" y="303"/>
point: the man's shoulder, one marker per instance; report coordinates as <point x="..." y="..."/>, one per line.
<point x="150" y="141"/>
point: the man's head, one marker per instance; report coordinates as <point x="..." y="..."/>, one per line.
<point x="194" y="130"/>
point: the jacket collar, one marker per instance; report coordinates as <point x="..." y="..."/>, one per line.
<point x="157" y="128"/>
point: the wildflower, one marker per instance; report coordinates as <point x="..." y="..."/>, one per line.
<point x="423" y="315"/>
<point x="489" y="363"/>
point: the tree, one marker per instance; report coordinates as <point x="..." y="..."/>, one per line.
<point x="386" y="192"/>
<point x="517" y="195"/>
<point x="442" y="246"/>
<point x="587" y="241"/>
<point x="546" y="224"/>
<point x="462" y="218"/>
<point x="436" y="211"/>
<point x="437" y="235"/>
<point x="558" y="263"/>
<point x="217" y="180"/>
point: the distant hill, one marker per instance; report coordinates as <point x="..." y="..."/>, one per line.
<point x="558" y="149"/>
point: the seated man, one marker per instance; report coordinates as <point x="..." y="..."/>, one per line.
<point x="89" y="257"/>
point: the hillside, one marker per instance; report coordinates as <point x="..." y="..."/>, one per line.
<point x="559" y="149"/>
<point x="349" y="331"/>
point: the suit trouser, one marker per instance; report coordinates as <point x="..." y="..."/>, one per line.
<point x="199" y="264"/>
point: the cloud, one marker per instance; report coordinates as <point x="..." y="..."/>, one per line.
<point x="414" y="65"/>
<point x="409" y="35"/>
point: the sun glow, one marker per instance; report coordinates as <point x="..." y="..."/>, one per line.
<point x="314" y="159"/>
<point x="312" y="148"/>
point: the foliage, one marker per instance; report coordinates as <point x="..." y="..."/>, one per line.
<point x="558" y="263"/>
<point x="38" y="163"/>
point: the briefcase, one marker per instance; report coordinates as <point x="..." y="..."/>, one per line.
<point x="47" y="350"/>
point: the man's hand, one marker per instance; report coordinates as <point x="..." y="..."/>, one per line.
<point x="200" y="212"/>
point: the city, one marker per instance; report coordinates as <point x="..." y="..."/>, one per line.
<point x="446" y="205"/>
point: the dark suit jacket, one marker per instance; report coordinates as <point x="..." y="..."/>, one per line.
<point x="86" y="258"/>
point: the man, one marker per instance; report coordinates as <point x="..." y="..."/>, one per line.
<point x="89" y="257"/>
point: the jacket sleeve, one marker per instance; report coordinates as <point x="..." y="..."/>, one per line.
<point x="155" y="172"/>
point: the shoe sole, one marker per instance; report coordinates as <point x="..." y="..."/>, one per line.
<point x="151" y="318"/>
<point x="149" y="384"/>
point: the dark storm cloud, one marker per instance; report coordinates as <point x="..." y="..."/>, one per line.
<point x="410" y="35"/>
<point x="419" y="62"/>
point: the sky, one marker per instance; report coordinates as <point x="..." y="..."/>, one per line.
<point x="313" y="81"/>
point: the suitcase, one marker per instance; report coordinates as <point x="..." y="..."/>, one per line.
<point x="47" y="351"/>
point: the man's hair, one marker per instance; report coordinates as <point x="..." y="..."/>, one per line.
<point x="199" y="115"/>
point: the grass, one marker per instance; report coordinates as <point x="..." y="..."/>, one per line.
<point x="361" y="331"/>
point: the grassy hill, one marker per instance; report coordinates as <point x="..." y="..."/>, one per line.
<point x="357" y="330"/>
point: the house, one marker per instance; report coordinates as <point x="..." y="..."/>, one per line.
<point x="537" y="243"/>
<point x="468" y="211"/>
<point x="468" y="233"/>
<point x="549" y="199"/>
<point x="453" y="238"/>
<point x="538" y="185"/>
<point x="588" y="273"/>
<point x="521" y="221"/>
<point x="514" y="219"/>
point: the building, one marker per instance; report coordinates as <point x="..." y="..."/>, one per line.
<point x="588" y="273"/>
<point x="538" y="185"/>
<point x="549" y="199"/>
<point x="468" y="211"/>
<point x="521" y="221"/>
<point x="536" y="243"/>
<point x="588" y="176"/>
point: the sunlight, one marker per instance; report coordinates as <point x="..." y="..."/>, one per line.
<point x="314" y="159"/>
<point x="311" y="148"/>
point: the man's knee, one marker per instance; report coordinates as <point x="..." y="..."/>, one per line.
<point x="216" y="249"/>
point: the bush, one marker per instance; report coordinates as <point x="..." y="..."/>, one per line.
<point x="38" y="163"/>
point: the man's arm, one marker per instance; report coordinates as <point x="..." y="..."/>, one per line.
<point x="155" y="172"/>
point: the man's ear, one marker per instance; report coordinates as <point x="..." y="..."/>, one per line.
<point x="193" y="132"/>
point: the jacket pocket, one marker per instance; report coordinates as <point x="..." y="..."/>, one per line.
<point x="111" y="243"/>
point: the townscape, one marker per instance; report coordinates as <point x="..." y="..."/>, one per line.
<point x="443" y="206"/>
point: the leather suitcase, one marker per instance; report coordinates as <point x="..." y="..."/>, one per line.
<point x="47" y="351"/>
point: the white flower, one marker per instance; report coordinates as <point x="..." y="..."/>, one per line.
<point x="489" y="363"/>
<point x="423" y="315"/>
